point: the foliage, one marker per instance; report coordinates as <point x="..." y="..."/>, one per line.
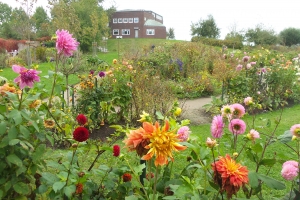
<point x="41" y="22"/>
<point x="206" y="28"/>
<point x="170" y="33"/>
<point x="290" y="36"/>
<point x="216" y="42"/>
<point x="261" y="35"/>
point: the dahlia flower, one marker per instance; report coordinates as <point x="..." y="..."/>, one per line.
<point x="295" y="129"/>
<point x="230" y="175"/>
<point x="101" y="74"/>
<point x="237" y="126"/>
<point x="238" y="110"/>
<point x="49" y="123"/>
<point x="79" y="188"/>
<point x="253" y="135"/>
<point x="81" y="119"/>
<point x="246" y="58"/>
<point x="116" y="150"/>
<point x="27" y="76"/>
<point x="217" y="126"/>
<point x="183" y="133"/>
<point x="126" y="177"/>
<point x="248" y="101"/>
<point x="239" y="68"/>
<point x="65" y="43"/>
<point x="210" y="143"/>
<point x="81" y="134"/>
<point x="226" y="111"/>
<point x="290" y="170"/>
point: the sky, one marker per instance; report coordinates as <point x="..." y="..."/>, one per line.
<point x="241" y="14"/>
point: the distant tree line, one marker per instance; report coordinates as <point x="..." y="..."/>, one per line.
<point x="86" y="19"/>
<point x="260" y="35"/>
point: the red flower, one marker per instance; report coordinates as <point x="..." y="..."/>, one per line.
<point x="81" y="134"/>
<point x="116" y="150"/>
<point x="81" y="119"/>
<point x="79" y="188"/>
<point x="126" y="177"/>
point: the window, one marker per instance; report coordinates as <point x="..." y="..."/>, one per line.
<point x="136" y="20"/>
<point x="115" y="20"/>
<point x="150" y="32"/>
<point x="130" y="20"/>
<point x="116" y="32"/>
<point x="125" y="20"/>
<point x="125" y="31"/>
<point x="120" y="20"/>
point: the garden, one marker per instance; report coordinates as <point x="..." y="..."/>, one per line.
<point x="77" y="126"/>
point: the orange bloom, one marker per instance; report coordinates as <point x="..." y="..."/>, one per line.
<point x="8" y="88"/>
<point x="232" y="175"/>
<point x="79" y="188"/>
<point x="162" y="143"/>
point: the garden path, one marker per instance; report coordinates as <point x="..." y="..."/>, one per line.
<point x="193" y="110"/>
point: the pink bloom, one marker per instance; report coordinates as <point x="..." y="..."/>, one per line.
<point x="246" y="58"/>
<point x="26" y="77"/>
<point x="237" y="126"/>
<point x="253" y="63"/>
<point x="211" y="143"/>
<point x="183" y="133"/>
<point x="238" y="110"/>
<point x="248" y="66"/>
<point x="217" y="126"/>
<point x="258" y="92"/>
<point x="295" y="129"/>
<point x="289" y="170"/>
<point x="239" y="67"/>
<point x="263" y="70"/>
<point x="253" y="135"/>
<point x="65" y="44"/>
<point x="248" y="101"/>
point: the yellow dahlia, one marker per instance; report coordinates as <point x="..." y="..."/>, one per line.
<point x="162" y="143"/>
<point x="232" y="175"/>
<point x="49" y="123"/>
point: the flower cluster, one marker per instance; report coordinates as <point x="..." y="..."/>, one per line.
<point x="81" y="133"/>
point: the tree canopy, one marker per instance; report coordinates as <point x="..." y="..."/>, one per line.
<point x="205" y="28"/>
<point x="171" y="33"/>
<point x="290" y="36"/>
<point x="260" y="35"/>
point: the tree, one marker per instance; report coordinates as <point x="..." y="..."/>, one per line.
<point x="206" y="28"/>
<point x="5" y="13"/>
<point x="41" y="22"/>
<point x="261" y="35"/>
<point x="170" y="33"/>
<point x="290" y="36"/>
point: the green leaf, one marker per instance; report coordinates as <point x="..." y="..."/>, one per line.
<point x="286" y="137"/>
<point x="267" y="162"/>
<point x="257" y="148"/>
<point x="253" y="179"/>
<point x="16" y="116"/>
<point x="4" y="142"/>
<point x="2" y="108"/>
<point x="69" y="190"/>
<point x="2" y="128"/>
<point x="21" y="170"/>
<point x="12" y="133"/>
<point x="25" y="132"/>
<point x="139" y="169"/>
<point x="58" y="186"/>
<point x="56" y="165"/>
<point x="50" y="178"/>
<point x="38" y="153"/>
<point x="159" y="115"/>
<point x="132" y="197"/>
<point x="14" y="142"/>
<point x="13" y="159"/>
<point x="21" y="188"/>
<point x="50" y="139"/>
<point x="271" y="183"/>
<point x="1" y="194"/>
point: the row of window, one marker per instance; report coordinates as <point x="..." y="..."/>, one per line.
<point x="127" y="32"/>
<point x="126" y="20"/>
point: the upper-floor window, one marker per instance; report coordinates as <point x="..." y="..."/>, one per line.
<point x="120" y="20"/>
<point x="116" y="32"/>
<point x="136" y="20"/>
<point x="125" y="31"/>
<point x="125" y="20"/>
<point x="150" y="32"/>
<point x="130" y="20"/>
<point x="115" y="20"/>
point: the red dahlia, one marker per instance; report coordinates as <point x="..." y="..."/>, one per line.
<point x="116" y="150"/>
<point x="126" y="177"/>
<point x="81" y="119"/>
<point x="81" y="134"/>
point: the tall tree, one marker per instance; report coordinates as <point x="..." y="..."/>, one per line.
<point x="290" y="36"/>
<point x="5" y="13"/>
<point x="260" y="35"/>
<point x="171" y="33"/>
<point x="206" y="28"/>
<point x="41" y="22"/>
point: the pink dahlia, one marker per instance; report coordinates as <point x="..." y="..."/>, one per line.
<point x="217" y="126"/>
<point x="238" y="110"/>
<point x="295" y="129"/>
<point x="246" y="58"/>
<point x="65" y="44"/>
<point x="248" y="101"/>
<point x="237" y="126"/>
<point x="183" y="133"/>
<point x="26" y="77"/>
<point x="239" y="67"/>
<point x="289" y="170"/>
<point x="253" y="135"/>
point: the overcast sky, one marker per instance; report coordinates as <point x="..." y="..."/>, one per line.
<point x="244" y="14"/>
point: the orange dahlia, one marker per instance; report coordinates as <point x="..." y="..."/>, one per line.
<point x="162" y="143"/>
<point x="229" y="175"/>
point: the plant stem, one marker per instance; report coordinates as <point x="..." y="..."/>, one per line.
<point x="54" y="80"/>
<point x="155" y="182"/>
<point x="53" y="118"/>
<point x="69" y="170"/>
<point x="93" y="163"/>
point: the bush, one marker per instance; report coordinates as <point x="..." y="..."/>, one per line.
<point x="219" y="43"/>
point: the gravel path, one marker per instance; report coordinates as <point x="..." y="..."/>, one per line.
<point x="194" y="111"/>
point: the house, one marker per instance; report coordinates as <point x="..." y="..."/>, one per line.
<point x="137" y="24"/>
